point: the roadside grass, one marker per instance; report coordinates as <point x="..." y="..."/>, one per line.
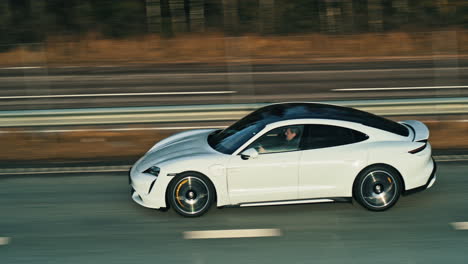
<point x="70" y="146"/>
<point x="214" y="48"/>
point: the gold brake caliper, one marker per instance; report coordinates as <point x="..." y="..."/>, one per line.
<point x="177" y="191"/>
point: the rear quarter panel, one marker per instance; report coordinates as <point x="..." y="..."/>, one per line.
<point x="414" y="168"/>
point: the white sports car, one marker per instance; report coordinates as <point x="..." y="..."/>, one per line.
<point x="287" y="153"/>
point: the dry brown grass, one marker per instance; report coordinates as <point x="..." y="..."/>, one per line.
<point x="215" y="48"/>
<point x="105" y="145"/>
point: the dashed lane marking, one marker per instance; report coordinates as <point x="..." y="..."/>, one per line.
<point x="232" y="233"/>
<point x="111" y="129"/>
<point x="58" y="170"/>
<point x="4" y="241"/>
<point x="443" y="158"/>
<point x="22" y="68"/>
<point x="114" y="94"/>
<point x="460" y="225"/>
<point x="399" y="88"/>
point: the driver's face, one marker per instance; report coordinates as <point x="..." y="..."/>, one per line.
<point x="289" y="134"/>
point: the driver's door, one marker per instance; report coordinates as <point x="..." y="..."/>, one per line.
<point x="272" y="176"/>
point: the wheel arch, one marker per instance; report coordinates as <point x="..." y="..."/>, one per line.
<point x="402" y="180"/>
<point x="188" y="172"/>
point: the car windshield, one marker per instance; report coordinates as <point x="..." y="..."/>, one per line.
<point x="230" y="139"/>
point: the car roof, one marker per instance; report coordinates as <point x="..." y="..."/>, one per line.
<point x="287" y="111"/>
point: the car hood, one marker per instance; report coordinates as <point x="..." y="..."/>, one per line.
<point x="187" y="144"/>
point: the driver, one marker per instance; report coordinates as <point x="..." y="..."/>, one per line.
<point x="289" y="142"/>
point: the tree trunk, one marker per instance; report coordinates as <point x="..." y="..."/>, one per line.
<point x="179" y="21"/>
<point x="267" y="16"/>
<point x="402" y="10"/>
<point x="375" y="9"/>
<point x="153" y="16"/>
<point x="231" y="16"/>
<point x="5" y="14"/>
<point x="348" y="14"/>
<point x="197" y="16"/>
<point x="330" y="17"/>
<point x="322" y="11"/>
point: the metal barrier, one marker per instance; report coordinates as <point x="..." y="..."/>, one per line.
<point x="224" y="112"/>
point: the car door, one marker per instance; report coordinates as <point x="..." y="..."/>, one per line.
<point x="272" y="176"/>
<point x="331" y="158"/>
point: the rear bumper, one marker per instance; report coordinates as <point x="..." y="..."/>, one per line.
<point x="429" y="183"/>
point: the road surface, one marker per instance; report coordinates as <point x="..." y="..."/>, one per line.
<point x="89" y="218"/>
<point x="107" y="86"/>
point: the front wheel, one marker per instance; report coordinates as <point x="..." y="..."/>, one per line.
<point x="191" y="194"/>
<point x="377" y="188"/>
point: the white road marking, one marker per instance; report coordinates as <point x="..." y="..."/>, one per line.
<point x="21" y="68"/>
<point x="233" y="233"/>
<point x="111" y="129"/>
<point x="4" y="241"/>
<point x="445" y="121"/>
<point x="443" y="158"/>
<point x="447" y="160"/>
<point x="303" y="72"/>
<point x="460" y="225"/>
<point x="399" y="88"/>
<point x="266" y="72"/>
<point x="58" y="170"/>
<point x="113" y="94"/>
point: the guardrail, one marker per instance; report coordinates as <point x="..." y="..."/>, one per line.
<point x="221" y="112"/>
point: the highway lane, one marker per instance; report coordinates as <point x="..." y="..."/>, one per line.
<point x="140" y="86"/>
<point x="89" y="218"/>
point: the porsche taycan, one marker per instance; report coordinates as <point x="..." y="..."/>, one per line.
<point x="287" y="153"/>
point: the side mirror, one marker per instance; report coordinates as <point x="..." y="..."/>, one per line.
<point x="249" y="153"/>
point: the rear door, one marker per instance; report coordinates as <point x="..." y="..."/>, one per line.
<point x="331" y="158"/>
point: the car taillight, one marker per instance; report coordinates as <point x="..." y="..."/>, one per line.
<point x="419" y="149"/>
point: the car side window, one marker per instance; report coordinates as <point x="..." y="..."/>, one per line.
<point x="325" y="136"/>
<point x="282" y="139"/>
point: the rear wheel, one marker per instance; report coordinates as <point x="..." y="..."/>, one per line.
<point x="377" y="188"/>
<point x="191" y="194"/>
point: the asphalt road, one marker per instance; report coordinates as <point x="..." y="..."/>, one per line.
<point x="90" y="219"/>
<point x="45" y="88"/>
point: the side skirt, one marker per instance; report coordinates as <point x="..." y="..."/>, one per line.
<point x="304" y="201"/>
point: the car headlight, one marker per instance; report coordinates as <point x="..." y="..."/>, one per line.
<point x="153" y="170"/>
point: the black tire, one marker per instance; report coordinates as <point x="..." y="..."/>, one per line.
<point x="191" y="194"/>
<point x="377" y="188"/>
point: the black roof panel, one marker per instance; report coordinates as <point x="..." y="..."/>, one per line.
<point x="285" y="111"/>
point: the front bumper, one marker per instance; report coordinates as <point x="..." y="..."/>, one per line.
<point x="147" y="190"/>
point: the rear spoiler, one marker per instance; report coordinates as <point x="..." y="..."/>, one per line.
<point x="420" y="130"/>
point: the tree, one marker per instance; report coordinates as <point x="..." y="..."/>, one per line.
<point x="153" y="16"/>
<point x="348" y="14"/>
<point x="374" y="8"/>
<point x="267" y="16"/>
<point x="178" y="18"/>
<point x="231" y="16"/>
<point x="197" y="16"/>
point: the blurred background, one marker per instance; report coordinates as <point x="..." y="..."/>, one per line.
<point x="88" y="86"/>
<point x="104" y="60"/>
